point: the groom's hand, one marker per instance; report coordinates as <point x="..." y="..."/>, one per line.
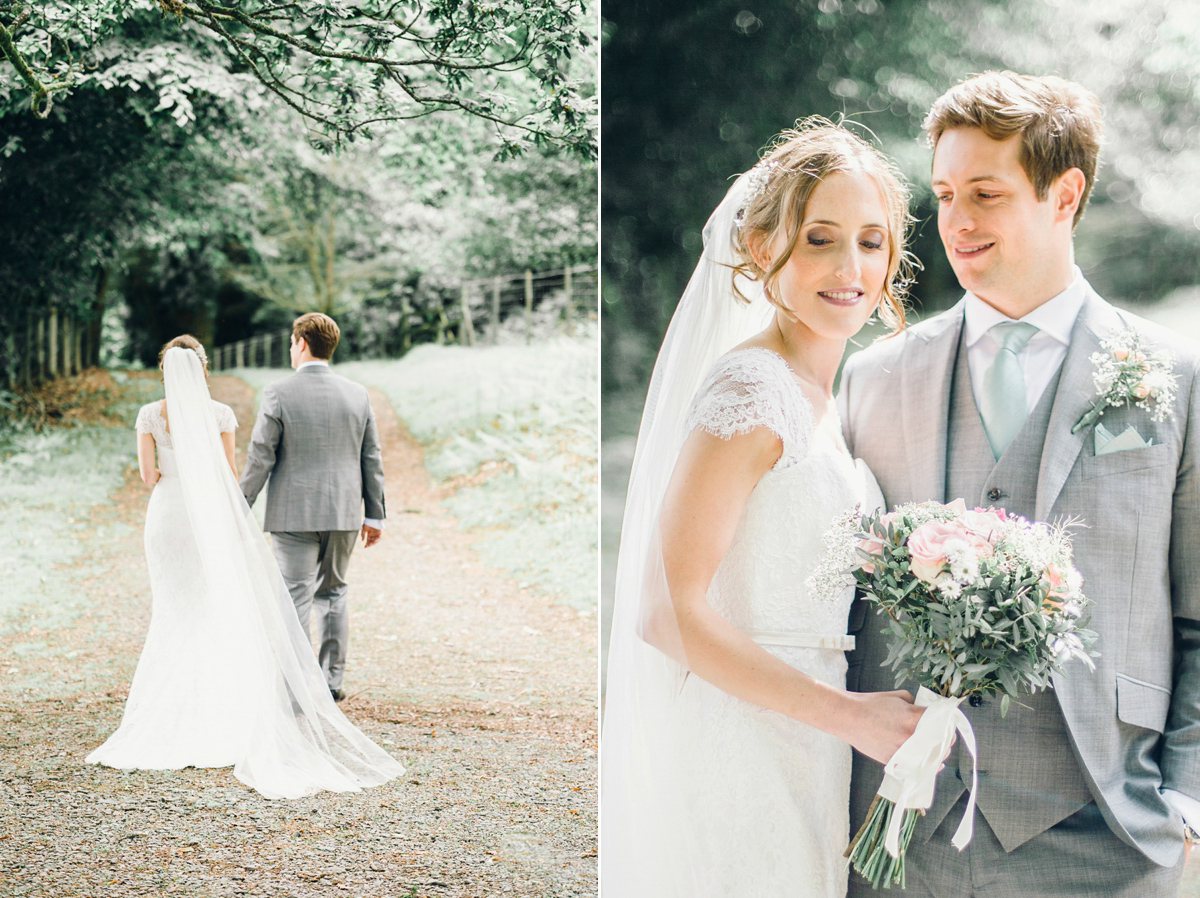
<point x="370" y="535"/>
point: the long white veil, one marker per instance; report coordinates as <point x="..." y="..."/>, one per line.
<point x="644" y="847"/>
<point x="298" y="741"/>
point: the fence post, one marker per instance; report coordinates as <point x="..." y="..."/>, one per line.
<point x="237" y="353"/>
<point x="27" y="355"/>
<point x="42" y="327"/>
<point x="69" y="357"/>
<point x="52" y="343"/>
<point x="467" y="338"/>
<point x="528" y="306"/>
<point x="495" y="310"/>
<point x="568" y="312"/>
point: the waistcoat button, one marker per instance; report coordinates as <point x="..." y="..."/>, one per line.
<point x="994" y="494"/>
<point x="975" y="700"/>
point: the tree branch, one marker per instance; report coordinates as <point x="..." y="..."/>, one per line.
<point x="42" y="93"/>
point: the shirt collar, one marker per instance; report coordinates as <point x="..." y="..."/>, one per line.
<point x="304" y="365"/>
<point x="1055" y="317"/>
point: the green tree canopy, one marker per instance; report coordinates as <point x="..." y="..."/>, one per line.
<point x="344" y="66"/>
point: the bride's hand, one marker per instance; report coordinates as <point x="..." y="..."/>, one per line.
<point x="884" y="721"/>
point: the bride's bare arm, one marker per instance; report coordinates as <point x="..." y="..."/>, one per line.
<point x="145" y="450"/>
<point x="709" y="487"/>
<point x="227" y="443"/>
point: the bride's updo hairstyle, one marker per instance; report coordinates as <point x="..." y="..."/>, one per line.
<point x="185" y="341"/>
<point x="792" y="167"/>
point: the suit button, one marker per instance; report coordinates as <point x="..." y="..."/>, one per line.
<point x="994" y="494"/>
<point x="975" y="701"/>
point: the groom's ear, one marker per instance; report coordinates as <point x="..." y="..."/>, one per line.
<point x="1066" y="193"/>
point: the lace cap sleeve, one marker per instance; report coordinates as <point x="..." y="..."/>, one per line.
<point x="226" y="419"/>
<point x="749" y="389"/>
<point x="142" y="425"/>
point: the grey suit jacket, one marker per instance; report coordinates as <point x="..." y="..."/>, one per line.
<point x="1135" y="722"/>
<point x="316" y="439"/>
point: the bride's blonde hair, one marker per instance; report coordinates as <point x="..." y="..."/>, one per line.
<point x="796" y="161"/>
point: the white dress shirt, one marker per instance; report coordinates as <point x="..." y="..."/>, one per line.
<point x="367" y="522"/>
<point x="1040" y="358"/>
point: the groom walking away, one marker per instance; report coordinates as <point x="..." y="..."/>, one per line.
<point x="1085" y="791"/>
<point x="315" y="438"/>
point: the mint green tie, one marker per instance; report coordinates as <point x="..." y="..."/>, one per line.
<point x="1003" y="406"/>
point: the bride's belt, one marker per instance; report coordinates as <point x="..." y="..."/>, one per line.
<point x="801" y="640"/>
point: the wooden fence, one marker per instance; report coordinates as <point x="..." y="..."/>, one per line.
<point x="521" y="303"/>
<point x="49" y="344"/>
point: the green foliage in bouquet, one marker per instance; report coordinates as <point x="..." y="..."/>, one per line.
<point x="999" y="619"/>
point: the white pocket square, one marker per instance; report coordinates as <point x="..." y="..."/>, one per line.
<point x="1128" y="439"/>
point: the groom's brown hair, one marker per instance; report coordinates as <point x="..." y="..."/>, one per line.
<point x="1059" y="121"/>
<point x="319" y="331"/>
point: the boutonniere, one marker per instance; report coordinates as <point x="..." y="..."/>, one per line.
<point x="1130" y="373"/>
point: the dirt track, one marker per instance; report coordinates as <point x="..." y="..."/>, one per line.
<point x="485" y="692"/>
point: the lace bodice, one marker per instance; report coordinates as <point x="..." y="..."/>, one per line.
<point x="150" y="420"/>
<point x="754" y="388"/>
<point x="763" y="582"/>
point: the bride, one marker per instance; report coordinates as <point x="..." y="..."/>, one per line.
<point x="728" y="729"/>
<point x="226" y="677"/>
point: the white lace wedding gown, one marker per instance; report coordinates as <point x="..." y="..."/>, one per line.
<point x="771" y="802"/>
<point x="226" y="677"/>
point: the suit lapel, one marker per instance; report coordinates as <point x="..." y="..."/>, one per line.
<point x="925" y="404"/>
<point x="1076" y="393"/>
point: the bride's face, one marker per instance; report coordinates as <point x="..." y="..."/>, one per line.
<point x="834" y="278"/>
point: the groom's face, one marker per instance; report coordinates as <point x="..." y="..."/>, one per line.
<point x="1002" y="241"/>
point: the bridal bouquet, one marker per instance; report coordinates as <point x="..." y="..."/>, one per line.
<point x="978" y="602"/>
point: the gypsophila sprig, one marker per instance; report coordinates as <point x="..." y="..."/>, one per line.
<point x="978" y="602"/>
<point x="1130" y="373"/>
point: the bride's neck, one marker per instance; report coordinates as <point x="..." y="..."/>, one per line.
<point x="812" y="357"/>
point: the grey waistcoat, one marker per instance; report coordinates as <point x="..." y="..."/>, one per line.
<point x="1024" y="788"/>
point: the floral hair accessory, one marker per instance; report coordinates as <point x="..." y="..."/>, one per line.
<point x="1130" y="373"/>
<point x="756" y="183"/>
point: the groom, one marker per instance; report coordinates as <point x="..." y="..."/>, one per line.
<point x="316" y="438"/>
<point x="1086" y="789"/>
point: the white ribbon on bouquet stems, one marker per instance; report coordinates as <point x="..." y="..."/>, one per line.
<point x="909" y="777"/>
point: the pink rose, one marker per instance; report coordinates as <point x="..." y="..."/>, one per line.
<point x="926" y="547"/>
<point x="1141" y="391"/>
<point x="983" y="523"/>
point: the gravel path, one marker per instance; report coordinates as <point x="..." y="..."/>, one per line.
<point x="486" y="692"/>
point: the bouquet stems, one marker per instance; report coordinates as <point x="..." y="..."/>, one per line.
<point x="867" y="853"/>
